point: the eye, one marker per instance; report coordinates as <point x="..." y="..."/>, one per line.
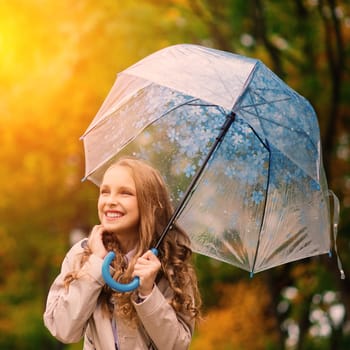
<point x="104" y="191"/>
<point x="127" y="192"/>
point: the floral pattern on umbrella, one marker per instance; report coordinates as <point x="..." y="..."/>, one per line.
<point x="262" y="198"/>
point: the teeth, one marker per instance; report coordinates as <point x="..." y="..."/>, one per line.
<point x="113" y="215"/>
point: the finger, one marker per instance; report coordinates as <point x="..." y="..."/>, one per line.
<point x="96" y="231"/>
<point x="95" y="241"/>
<point x="147" y="261"/>
<point x="142" y="263"/>
<point x="149" y="255"/>
<point x="145" y="272"/>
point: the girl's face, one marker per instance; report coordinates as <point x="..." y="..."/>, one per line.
<point x="117" y="203"/>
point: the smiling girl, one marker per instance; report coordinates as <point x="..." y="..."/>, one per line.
<point x="133" y="208"/>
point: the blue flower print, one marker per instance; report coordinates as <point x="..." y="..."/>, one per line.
<point x="257" y="197"/>
<point x="190" y="170"/>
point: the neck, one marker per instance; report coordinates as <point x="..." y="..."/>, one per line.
<point x="126" y="243"/>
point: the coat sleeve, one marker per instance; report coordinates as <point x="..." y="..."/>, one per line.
<point x="68" y="310"/>
<point x="167" y="329"/>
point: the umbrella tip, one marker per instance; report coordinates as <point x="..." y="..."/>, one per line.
<point x="251" y="275"/>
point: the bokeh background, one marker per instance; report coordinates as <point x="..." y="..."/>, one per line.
<point x="58" y="60"/>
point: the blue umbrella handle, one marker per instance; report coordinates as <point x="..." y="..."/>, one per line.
<point x="119" y="287"/>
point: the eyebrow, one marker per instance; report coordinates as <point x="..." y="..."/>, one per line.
<point x="131" y="189"/>
<point x="121" y="188"/>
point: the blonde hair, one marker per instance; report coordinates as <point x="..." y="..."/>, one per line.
<point x="174" y="251"/>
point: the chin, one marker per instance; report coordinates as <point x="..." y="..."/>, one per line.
<point x="110" y="228"/>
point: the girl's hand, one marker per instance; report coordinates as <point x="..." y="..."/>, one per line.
<point x="146" y="268"/>
<point x="95" y="241"/>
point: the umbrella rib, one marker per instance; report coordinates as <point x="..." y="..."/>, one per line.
<point x="219" y="77"/>
<point x="202" y="104"/>
<point x="232" y="251"/>
<point x="302" y="132"/>
<point x="225" y="127"/>
<point x="266" y="102"/>
<point x="255" y="105"/>
<point x="220" y="108"/>
<point x="132" y="138"/>
<point x="272" y="121"/>
<point x="264" y="210"/>
<point x="110" y="110"/>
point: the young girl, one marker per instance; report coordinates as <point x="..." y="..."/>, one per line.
<point x="133" y="209"/>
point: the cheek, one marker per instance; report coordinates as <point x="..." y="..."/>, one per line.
<point x="99" y="206"/>
<point x="136" y="207"/>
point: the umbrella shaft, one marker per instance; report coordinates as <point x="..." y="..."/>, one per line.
<point x="225" y="127"/>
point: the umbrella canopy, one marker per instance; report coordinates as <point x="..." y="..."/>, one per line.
<point x="259" y="198"/>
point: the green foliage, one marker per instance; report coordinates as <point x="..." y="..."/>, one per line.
<point x="59" y="60"/>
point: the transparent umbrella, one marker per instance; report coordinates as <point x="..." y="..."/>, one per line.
<point x="239" y="149"/>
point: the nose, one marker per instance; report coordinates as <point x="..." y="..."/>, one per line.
<point x="112" y="200"/>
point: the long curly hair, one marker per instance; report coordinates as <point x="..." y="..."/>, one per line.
<point x="174" y="252"/>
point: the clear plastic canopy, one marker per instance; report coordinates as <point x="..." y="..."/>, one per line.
<point x="262" y="199"/>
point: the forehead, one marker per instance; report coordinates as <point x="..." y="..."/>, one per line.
<point x="117" y="174"/>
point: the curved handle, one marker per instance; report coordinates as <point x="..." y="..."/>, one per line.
<point x="119" y="287"/>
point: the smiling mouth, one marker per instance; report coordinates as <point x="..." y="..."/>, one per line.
<point x="113" y="214"/>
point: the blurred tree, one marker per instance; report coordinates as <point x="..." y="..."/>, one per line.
<point x="241" y="319"/>
<point x="58" y="61"/>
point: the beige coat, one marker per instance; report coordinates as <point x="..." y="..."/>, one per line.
<point x="74" y="313"/>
